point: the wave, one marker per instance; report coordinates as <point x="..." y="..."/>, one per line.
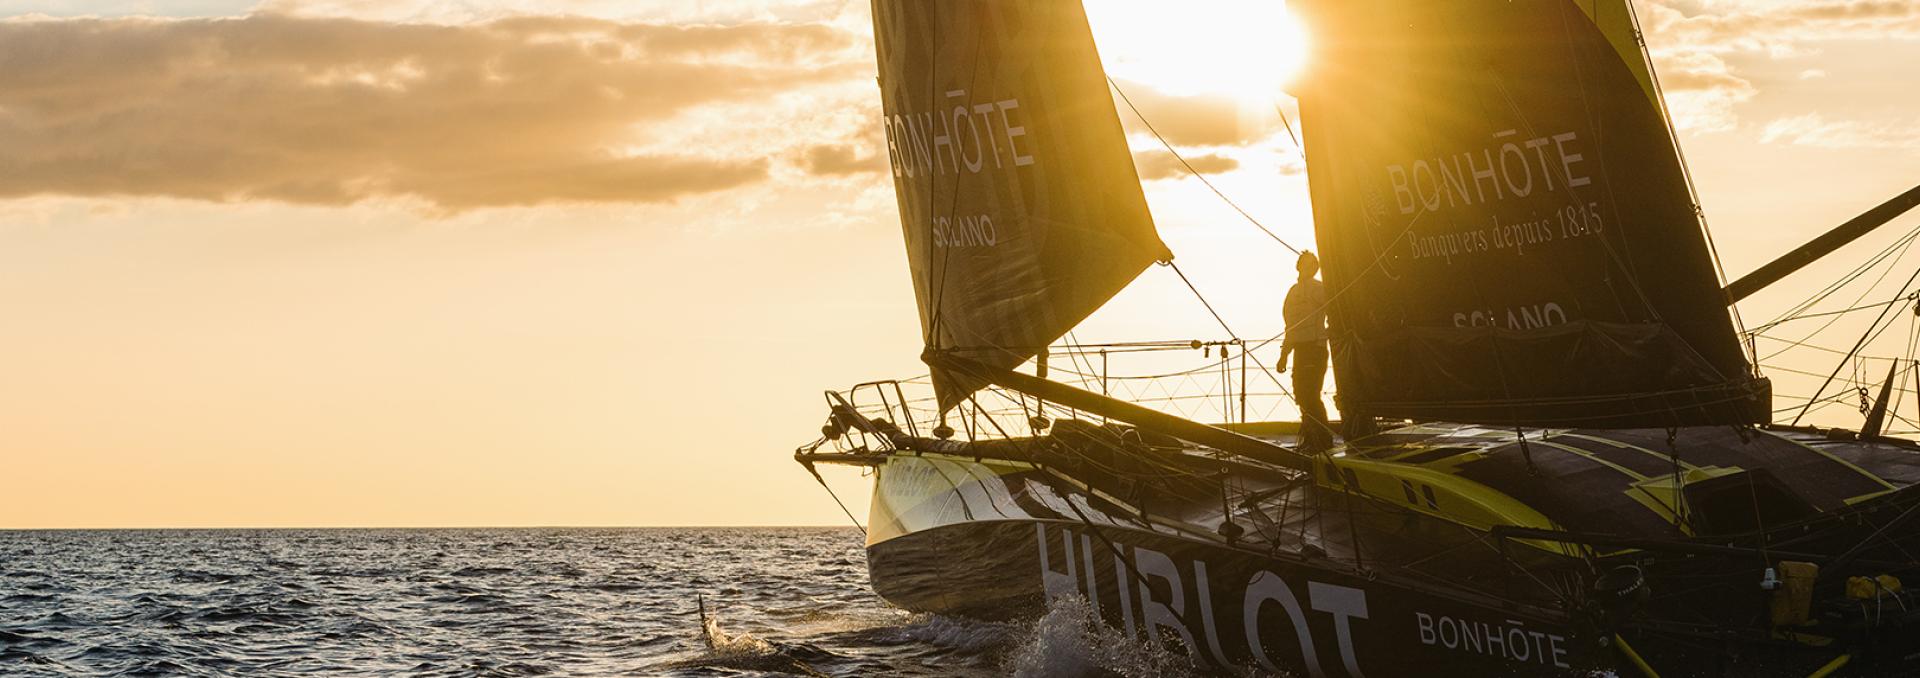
<point x="1069" y="641"/>
<point x="746" y="652"/>
<point x="449" y="603"/>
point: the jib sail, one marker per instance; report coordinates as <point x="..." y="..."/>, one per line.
<point x="1508" y="235"/>
<point x="1018" y="197"/>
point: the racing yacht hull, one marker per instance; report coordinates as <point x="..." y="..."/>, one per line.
<point x="996" y="540"/>
<point x="1005" y="539"/>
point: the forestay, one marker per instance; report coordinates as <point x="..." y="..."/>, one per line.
<point x="1508" y="235"/>
<point x="1018" y="197"/>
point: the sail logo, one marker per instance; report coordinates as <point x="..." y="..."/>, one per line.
<point x="1144" y="610"/>
<point x="1513" y="168"/>
<point x="1517" y="317"/>
<point x="960" y="139"/>
<point x="966" y="231"/>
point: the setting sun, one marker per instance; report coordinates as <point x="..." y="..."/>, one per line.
<point x="1246" y="49"/>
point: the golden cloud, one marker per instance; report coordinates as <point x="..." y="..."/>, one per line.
<point x="1814" y="130"/>
<point x="519" y="111"/>
<point x="1206" y="120"/>
<point x="1691" y="43"/>
<point x="841" y="159"/>
<point x="1156" y="165"/>
<point x="1778" y="25"/>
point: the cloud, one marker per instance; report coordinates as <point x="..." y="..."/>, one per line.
<point x="468" y="11"/>
<point x="1813" y="130"/>
<point x="515" y="111"/>
<point x="1156" y="165"/>
<point x="841" y="159"/>
<point x="1691" y="42"/>
<point x="1738" y="25"/>
<point x="1203" y="120"/>
<point x="1702" y="91"/>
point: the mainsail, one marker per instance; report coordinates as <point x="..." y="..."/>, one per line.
<point x="1018" y="197"/>
<point x="1507" y="231"/>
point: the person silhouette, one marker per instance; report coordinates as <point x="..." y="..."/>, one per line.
<point x="1305" y="338"/>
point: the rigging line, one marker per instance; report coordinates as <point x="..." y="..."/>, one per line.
<point x="1789" y="370"/>
<point x="1841" y="282"/>
<point x="836" y="500"/>
<point x="1817" y="408"/>
<point x="1829" y="323"/>
<point x="1075" y="355"/>
<point x="1913" y="336"/>
<point x="1903" y="246"/>
<point x="1196" y="173"/>
<point x="1210" y="366"/>
<point x="1900" y="385"/>
<point x="1876" y="337"/>
<point x="1347" y="286"/>
<point x="1900" y="300"/>
<point x="1289" y="125"/>
<point x="1802" y="344"/>
<point x="1899" y="246"/>
<point x="1243" y="347"/>
<point x="1913" y="331"/>
<point x="1872" y="263"/>
<point x="1864" y="338"/>
<point x="1203" y="301"/>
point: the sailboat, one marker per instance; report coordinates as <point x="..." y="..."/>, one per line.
<point x="1558" y="455"/>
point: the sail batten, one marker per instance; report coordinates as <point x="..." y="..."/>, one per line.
<point x="1019" y="203"/>
<point x="1506" y="223"/>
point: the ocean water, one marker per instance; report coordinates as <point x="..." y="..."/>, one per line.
<point x="501" y="602"/>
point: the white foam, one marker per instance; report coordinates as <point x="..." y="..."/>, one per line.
<point x="1070" y="641"/>
<point x="725" y="644"/>
<point x="963" y="634"/>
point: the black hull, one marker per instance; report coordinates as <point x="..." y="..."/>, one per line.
<point x="996" y="540"/>
<point x="1231" y="608"/>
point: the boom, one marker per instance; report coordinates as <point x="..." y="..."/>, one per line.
<point x="1822" y="246"/>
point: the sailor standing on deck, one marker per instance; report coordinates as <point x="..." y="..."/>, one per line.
<point x="1305" y="311"/>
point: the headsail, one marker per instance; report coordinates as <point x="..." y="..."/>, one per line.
<point x="1508" y="234"/>
<point x="1018" y="196"/>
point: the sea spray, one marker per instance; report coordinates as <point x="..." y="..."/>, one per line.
<point x="745" y="652"/>
<point x="1069" y="641"/>
<point x="961" y="634"/>
<point x="725" y="644"/>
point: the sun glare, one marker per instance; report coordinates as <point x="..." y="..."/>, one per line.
<point x="1246" y="49"/>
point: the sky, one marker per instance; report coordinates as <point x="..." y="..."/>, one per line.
<point x="509" y="263"/>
